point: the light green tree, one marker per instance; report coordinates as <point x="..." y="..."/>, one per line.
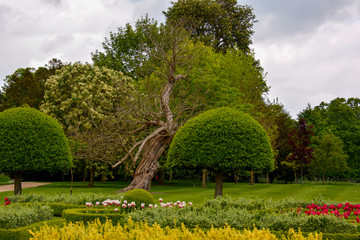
<point x="328" y="154"/>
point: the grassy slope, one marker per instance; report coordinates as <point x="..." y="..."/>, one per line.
<point x="187" y="192"/>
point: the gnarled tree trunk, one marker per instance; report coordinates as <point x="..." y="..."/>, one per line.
<point x="149" y="163"/>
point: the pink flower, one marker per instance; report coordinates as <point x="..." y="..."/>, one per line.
<point x="190" y="203"/>
<point x="357" y="219"/>
<point x="116" y="209"/>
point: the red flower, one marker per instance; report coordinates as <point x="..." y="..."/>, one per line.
<point x="6" y="199"/>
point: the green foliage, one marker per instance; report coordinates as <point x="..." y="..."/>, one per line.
<point x="4" y="178"/>
<point x="14" y="216"/>
<point x="328" y="154"/>
<point x="342" y="117"/>
<point x="31" y="140"/>
<point x="220" y="24"/>
<point x="124" y="50"/>
<point x="221" y="140"/>
<point x="23" y="233"/>
<point x="75" y="215"/>
<point x="139" y="196"/>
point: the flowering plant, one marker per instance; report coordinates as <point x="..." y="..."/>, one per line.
<point x="7" y="201"/>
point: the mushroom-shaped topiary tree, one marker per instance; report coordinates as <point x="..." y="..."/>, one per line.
<point x="31" y="140"/>
<point x="222" y="140"/>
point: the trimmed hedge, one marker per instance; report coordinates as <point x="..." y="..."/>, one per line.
<point x="77" y="214"/>
<point x="23" y="232"/>
<point x="57" y="208"/>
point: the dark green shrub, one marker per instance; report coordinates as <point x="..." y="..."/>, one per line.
<point x="31" y="140"/>
<point x="14" y="216"/>
<point x="222" y="140"/>
<point x="22" y="233"/>
<point x="74" y="215"/>
<point x="139" y="196"/>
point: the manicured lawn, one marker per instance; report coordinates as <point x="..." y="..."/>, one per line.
<point x="186" y="191"/>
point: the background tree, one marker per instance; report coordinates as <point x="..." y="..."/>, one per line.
<point x="221" y="24"/>
<point x="26" y="86"/>
<point x="223" y="141"/>
<point x="86" y="101"/>
<point x="299" y="141"/>
<point x="328" y="154"/>
<point x="342" y="117"/>
<point x="31" y="140"/>
<point x="124" y="50"/>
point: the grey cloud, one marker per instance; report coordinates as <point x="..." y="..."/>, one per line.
<point x="57" y="42"/>
<point x="279" y="19"/>
<point x="153" y="7"/>
<point x="53" y="2"/>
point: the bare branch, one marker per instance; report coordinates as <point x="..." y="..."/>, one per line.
<point x="128" y="154"/>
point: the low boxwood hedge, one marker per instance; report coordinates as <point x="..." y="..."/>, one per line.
<point x="23" y="233"/>
<point x="77" y="214"/>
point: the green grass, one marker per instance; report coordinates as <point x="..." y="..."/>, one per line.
<point x="193" y="192"/>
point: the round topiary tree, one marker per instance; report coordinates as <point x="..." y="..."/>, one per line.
<point x="222" y="140"/>
<point x="31" y="140"/>
<point x="139" y="196"/>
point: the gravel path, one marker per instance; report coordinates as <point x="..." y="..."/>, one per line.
<point x="10" y="187"/>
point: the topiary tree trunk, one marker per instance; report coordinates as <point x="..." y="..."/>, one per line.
<point x="203" y="178"/>
<point x="17" y="183"/>
<point x="219" y="178"/>
<point x="91" y="177"/>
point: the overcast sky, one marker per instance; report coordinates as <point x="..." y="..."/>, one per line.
<point x="309" y="48"/>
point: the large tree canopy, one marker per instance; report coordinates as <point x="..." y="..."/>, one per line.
<point x="31" y="140"/>
<point x="79" y="96"/>
<point x="222" y="140"/>
<point x="222" y="24"/>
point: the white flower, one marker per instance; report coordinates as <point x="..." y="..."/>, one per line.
<point x="150" y="205"/>
<point x="97" y="203"/>
<point x="89" y="204"/>
<point x="155" y="206"/>
<point x="160" y="199"/>
<point x="142" y="205"/>
<point x="116" y="209"/>
<point x="190" y="203"/>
